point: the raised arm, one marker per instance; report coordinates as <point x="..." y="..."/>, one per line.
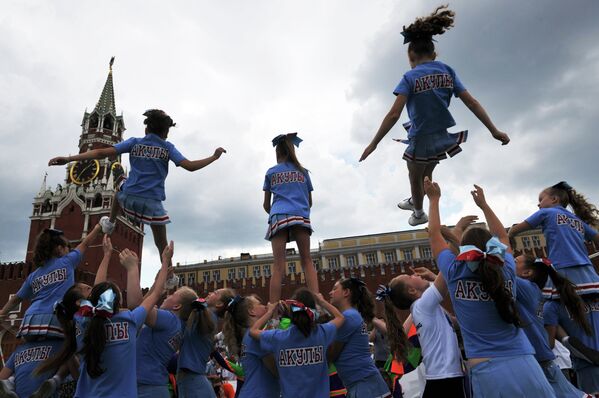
<point x="388" y="122"/>
<point x="99" y="153"/>
<point x="102" y="273"/>
<point x="435" y="237"/>
<point x="193" y="165"/>
<point x="478" y="110"/>
<point x="151" y="299"/>
<point x="130" y="262"/>
<point x="519" y="228"/>
<point x="338" y="317"/>
<point x="10" y="305"/>
<point x="495" y="226"/>
<point x="82" y="247"/>
<point x="256" y="328"/>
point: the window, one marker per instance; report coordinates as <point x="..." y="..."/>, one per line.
<point x="316" y="265"/>
<point x="390" y="257"/>
<point x="257" y="273"/>
<point x="291" y="268"/>
<point x="191" y="278"/>
<point x="536" y="241"/>
<point x="181" y="280"/>
<point x="266" y="269"/>
<point x="231" y="274"/>
<point x="216" y="275"/>
<point x="351" y="260"/>
<point x="371" y="258"/>
<point x="241" y="273"/>
<point x="426" y="252"/>
<point x="407" y="254"/>
<point x="526" y="242"/>
<point x="333" y="262"/>
<point x="206" y="276"/>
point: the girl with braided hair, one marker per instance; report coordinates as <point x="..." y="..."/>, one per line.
<point x="426" y="90"/>
<point x="351" y="352"/>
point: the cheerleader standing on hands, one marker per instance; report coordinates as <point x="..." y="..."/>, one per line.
<point x="426" y="90"/>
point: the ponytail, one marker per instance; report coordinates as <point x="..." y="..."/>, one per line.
<point x="64" y="311"/>
<point x="94" y="339"/>
<point x="301" y="311"/>
<point x="398" y="341"/>
<point x="583" y="209"/>
<point x="236" y="323"/>
<point x="542" y="269"/>
<point x="491" y="276"/>
<point x="286" y="149"/>
<point x="360" y="297"/>
<point x="45" y="245"/>
<point x="202" y="318"/>
<point x="420" y="33"/>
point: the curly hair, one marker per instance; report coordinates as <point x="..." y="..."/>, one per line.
<point x="583" y="209"/>
<point x="422" y="30"/>
<point x="46" y="244"/>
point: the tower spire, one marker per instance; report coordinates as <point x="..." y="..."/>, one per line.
<point x="106" y="102"/>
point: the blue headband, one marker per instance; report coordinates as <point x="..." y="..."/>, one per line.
<point x="292" y="137"/>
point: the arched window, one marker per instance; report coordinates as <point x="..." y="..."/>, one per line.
<point x="108" y="122"/>
<point x="93" y="120"/>
<point x="97" y="200"/>
<point x="47" y="206"/>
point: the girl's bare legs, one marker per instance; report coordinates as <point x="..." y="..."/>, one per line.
<point x="302" y="238"/>
<point x="279" y="244"/>
<point x="417" y="172"/>
<point x="115" y="209"/>
<point x="159" y="234"/>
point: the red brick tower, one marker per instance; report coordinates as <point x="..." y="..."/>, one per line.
<point x="76" y="206"/>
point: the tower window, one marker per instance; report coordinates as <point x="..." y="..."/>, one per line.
<point x="108" y="122"/>
<point x="93" y="120"/>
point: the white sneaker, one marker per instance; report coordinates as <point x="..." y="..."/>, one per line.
<point x="107" y="226"/>
<point x="406" y="204"/>
<point x="413" y="220"/>
<point x="172" y="282"/>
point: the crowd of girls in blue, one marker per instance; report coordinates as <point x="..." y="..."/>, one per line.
<point x="486" y="324"/>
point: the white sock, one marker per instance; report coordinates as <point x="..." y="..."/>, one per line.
<point x="418" y="213"/>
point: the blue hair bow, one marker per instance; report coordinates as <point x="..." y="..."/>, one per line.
<point x="292" y="136"/>
<point x="382" y="292"/>
<point x="472" y="255"/>
<point x="104" y="308"/>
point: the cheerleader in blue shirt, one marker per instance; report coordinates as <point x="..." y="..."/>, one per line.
<point x="482" y="285"/>
<point x="159" y="340"/>
<point x="55" y="274"/>
<point x="107" y="335"/>
<point x="532" y="276"/>
<point x="565" y="233"/>
<point x="288" y="185"/>
<point x="301" y="350"/>
<point x="141" y="195"/>
<point x="351" y="351"/>
<point x="258" y="378"/>
<point x="426" y="90"/>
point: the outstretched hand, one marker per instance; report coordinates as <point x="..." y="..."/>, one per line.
<point x="106" y="246"/>
<point x="424" y="273"/>
<point x="58" y="161"/>
<point x="501" y="136"/>
<point x="219" y="151"/>
<point x="465" y="222"/>
<point x="167" y="253"/>
<point x="369" y="149"/>
<point x="432" y="189"/>
<point x="479" y="196"/>
<point x="128" y="259"/>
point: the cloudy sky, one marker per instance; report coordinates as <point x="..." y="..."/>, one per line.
<point x="237" y="73"/>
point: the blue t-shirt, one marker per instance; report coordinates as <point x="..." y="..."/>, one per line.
<point x="565" y="235"/>
<point x="555" y="313"/>
<point x="354" y="362"/>
<point x="530" y="308"/>
<point x="48" y="284"/>
<point x="118" y="358"/>
<point x="290" y="188"/>
<point x="301" y="361"/>
<point x="195" y="348"/>
<point x="149" y="158"/>
<point x="258" y="382"/>
<point x="156" y="346"/>
<point x="485" y="334"/>
<point x="26" y="358"/>
<point x="428" y="89"/>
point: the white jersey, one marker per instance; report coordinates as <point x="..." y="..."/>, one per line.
<point x="440" y="351"/>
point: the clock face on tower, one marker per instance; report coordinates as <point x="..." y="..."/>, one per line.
<point x="84" y="171"/>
